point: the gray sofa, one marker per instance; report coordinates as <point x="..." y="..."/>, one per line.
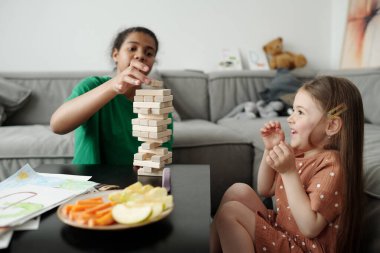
<point x="204" y="135"/>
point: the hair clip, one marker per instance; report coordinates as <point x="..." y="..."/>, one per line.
<point x="336" y="111"/>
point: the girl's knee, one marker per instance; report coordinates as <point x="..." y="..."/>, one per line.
<point x="226" y="212"/>
<point x="238" y="191"/>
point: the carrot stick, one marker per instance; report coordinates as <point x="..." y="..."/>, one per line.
<point x="105" y="220"/>
<point x="99" y="207"/>
<point x="77" y="208"/>
<point x="90" y="201"/>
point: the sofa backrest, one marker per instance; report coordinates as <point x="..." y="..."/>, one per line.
<point x="49" y="90"/>
<point x="228" y="89"/>
<point x="190" y="92"/>
<point x="368" y="82"/>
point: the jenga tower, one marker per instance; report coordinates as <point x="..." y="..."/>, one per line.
<point x="153" y="107"/>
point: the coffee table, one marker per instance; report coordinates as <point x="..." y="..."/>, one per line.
<point x="186" y="229"/>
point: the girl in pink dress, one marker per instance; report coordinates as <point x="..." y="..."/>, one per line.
<point x="316" y="179"/>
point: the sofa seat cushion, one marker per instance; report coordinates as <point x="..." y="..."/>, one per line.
<point x="250" y="129"/>
<point x="191" y="133"/>
<point x="34" y="141"/>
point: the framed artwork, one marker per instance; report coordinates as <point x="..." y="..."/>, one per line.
<point x="361" y="44"/>
<point x="230" y="59"/>
<point x="257" y="60"/>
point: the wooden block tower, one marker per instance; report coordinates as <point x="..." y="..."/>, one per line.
<point x="153" y="107"/>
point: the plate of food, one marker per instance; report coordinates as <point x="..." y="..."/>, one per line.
<point x="135" y="206"/>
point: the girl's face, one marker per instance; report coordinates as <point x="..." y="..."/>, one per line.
<point x="307" y="124"/>
<point x="137" y="45"/>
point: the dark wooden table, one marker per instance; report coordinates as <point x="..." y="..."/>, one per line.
<point x="186" y="229"/>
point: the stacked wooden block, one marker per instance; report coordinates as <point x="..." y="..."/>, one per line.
<point x="153" y="107"/>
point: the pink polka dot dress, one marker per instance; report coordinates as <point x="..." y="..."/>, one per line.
<point x="277" y="231"/>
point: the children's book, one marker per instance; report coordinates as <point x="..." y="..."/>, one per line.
<point x="27" y="194"/>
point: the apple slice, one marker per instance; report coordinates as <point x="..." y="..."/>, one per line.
<point x="131" y="214"/>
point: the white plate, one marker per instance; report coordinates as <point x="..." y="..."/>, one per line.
<point x="115" y="226"/>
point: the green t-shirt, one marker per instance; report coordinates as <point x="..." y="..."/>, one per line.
<point x="106" y="138"/>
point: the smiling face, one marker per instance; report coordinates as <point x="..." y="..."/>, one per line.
<point x="137" y="45"/>
<point x="308" y="125"/>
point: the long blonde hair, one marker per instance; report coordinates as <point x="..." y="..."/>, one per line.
<point x="331" y="92"/>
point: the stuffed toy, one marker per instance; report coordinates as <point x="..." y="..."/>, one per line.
<point x="279" y="59"/>
<point x="246" y="110"/>
<point x="269" y="110"/>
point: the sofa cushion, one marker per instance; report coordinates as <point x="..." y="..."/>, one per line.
<point x="371" y="159"/>
<point x="228" y="89"/>
<point x="192" y="133"/>
<point x="2" y="115"/>
<point x="250" y="129"/>
<point x="12" y="96"/>
<point x="49" y="90"/>
<point x="189" y="89"/>
<point x="34" y="141"/>
<point x="368" y="83"/>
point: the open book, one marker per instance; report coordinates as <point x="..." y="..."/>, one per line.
<point x="27" y="194"/>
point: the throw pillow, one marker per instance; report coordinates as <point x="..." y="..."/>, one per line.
<point x="282" y="84"/>
<point x="12" y="96"/>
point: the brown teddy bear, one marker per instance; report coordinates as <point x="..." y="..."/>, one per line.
<point x="279" y="59"/>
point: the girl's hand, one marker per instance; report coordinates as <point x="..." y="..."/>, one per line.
<point x="272" y="134"/>
<point x="281" y="158"/>
<point x="131" y="78"/>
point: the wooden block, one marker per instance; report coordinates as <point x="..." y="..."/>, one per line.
<point x="148" y="146"/>
<point x="162" y="98"/>
<point x="148" y="164"/>
<point x="146" y="92"/>
<point x="142" y="156"/>
<point x="143" y="122"/>
<point x="162" y="110"/>
<point x="146" y="169"/>
<point x="156" y="151"/>
<point x="151" y="116"/>
<point x="169" y="161"/>
<point x="142" y="110"/>
<point x="147" y="99"/>
<point x="167" y="104"/>
<point x="153" y="173"/>
<point x="161" y="158"/>
<point x="149" y="104"/>
<point x="151" y="140"/>
<point x="153" y="129"/>
<point x="162" y="134"/>
<point x="156" y="83"/>
<point x="154" y="122"/>
<point x="138" y="99"/>
<point x="140" y="134"/>
<point x="136" y="121"/>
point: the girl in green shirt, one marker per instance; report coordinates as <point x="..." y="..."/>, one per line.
<point x="100" y="109"/>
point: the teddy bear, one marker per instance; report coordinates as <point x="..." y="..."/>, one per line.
<point x="279" y="59"/>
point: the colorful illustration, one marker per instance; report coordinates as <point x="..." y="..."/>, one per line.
<point x="26" y="194"/>
<point x="361" y="46"/>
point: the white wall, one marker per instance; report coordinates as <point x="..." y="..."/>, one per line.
<point x="75" y="35"/>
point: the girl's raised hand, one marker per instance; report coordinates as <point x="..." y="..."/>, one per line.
<point x="132" y="77"/>
<point x="272" y="134"/>
<point x="281" y="158"/>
